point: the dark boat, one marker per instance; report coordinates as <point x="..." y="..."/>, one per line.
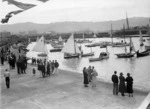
<point x="56" y="50"/>
<point x="125" y="55"/>
<point x="142" y="54"/>
<point x="67" y="56"/>
<point x="103" y="55"/>
<point x="42" y="55"/>
<point x="147" y="47"/>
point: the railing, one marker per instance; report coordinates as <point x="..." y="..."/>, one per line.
<point x="146" y="103"/>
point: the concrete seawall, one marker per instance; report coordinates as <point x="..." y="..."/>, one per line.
<point x="62" y="91"/>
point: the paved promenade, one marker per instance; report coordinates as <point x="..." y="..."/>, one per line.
<point x="62" y="91"/>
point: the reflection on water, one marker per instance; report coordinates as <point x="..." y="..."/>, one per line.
<point x="138" y="67"/>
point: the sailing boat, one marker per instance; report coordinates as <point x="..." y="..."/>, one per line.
<point x="41" y="47"/>
<point x="71" y="50"/>
<point x="60" y="39"/>
<point x="87" y="54"/>
<point x="141" y="38"/>
<point x="127" y="55"/>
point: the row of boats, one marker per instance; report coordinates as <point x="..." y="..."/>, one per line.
<point x="71" y="50"/>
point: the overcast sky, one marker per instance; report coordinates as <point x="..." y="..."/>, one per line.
<point x="78" y="10"/>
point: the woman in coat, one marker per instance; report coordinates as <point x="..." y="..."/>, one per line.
<point x="94" y="77"/>
<point x="85" y="77"/>
<point x="122" y="84"/>
<point x="129" y="81"/>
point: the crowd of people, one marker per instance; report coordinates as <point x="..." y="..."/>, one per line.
<point x="125" y="84"/>
<point x="89" y="75"/>
<point x="120" y="84"/>
<point x="47" y="67"/>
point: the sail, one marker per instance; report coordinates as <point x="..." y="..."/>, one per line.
<point x="37" y="39"/>
<point x="141" y="38"/>
<point x="40" y="46"/>
<point x="127" y="21"/>
<point x="132" y="48"/>
<point x="29" y="40"/>
<point x="94" y="35"/>
<point x="83" y="37"/>
<point x="71" y="47"/>
<point x="60" y="39"/>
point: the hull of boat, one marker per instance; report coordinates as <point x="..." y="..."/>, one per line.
<point x="119" y="45"/>
<point x="98" y="59"/>
<point x="42" y="55"/>
<point x="147" y="48"/>
<point x="103" y="55"/>
<point x="87" y="54"/>
<point x="125" y="55"/>
<point x="71" y="56"/>
<point x="142" y="54"/>
<point x="84" y="41"/>
<point x="56" y="50"/>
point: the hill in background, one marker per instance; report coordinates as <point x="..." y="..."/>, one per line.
<point x="65" y="27"/>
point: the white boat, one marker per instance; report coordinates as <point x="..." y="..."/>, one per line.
<point x="40" y="47"/>
<point x="60" y="39"/>
<point x="71" y="50"/>
<point x="117" y="44"/>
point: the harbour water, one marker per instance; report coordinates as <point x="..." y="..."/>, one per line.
<point x="137" y="67"/>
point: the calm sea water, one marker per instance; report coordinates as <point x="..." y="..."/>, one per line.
<point x="139" y="68"/>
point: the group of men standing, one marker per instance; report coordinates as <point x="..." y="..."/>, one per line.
<point x="21" y="65"/>
<point x="123" y="88"/>
<point x="89" y="75"/>
<point x="48" y="68"/>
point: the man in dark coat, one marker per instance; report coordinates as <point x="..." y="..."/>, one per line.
<point x="18" y="66"/>
<point x="85" y="75"/>
<point x="122" y="88"/>
<point x="129" y="81"/>
<point x="53" y="65"/>
<point x="2" y="59"/>
<point x="115" y="83"/>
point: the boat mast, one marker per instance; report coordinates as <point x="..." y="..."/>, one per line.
<point x="74" y="44"/>
<point x="111" y="34"/>
<point x="130" y="45"/>
<point x="127" y="21"/>
<point x="124" y="37"/>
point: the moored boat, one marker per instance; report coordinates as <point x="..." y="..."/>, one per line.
<point x="42" y="55"/>
<point x="147" y="47"/>
<point x="87" y="54"/>
<point x="103" y="55"/>
<point x="120" y="44"/>
<point x="142" y="54"/>
<point x="67" y="56"/>
<point x="125" y="55"/>
<point x="71" y="50"/>
<point x="56" y="50"/>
